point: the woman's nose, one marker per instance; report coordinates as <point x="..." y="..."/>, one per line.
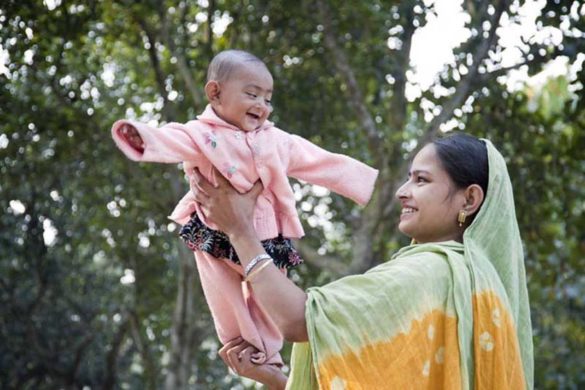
<point x="402" y="193"/>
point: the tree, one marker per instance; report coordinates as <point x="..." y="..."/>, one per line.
<point x="90" y="268"/>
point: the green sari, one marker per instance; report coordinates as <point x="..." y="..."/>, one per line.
<point x="437" y="316"/>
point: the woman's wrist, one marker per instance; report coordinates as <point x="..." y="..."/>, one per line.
<point x="247" y="245"/>
<point x="276" y="380"/>
<point x="242" y="233"/>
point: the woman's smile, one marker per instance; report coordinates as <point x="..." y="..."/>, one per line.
<point x="407" y="212"/>
<point x="429" y="201"/>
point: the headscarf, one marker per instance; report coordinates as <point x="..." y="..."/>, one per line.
<point x="438" y="315"/>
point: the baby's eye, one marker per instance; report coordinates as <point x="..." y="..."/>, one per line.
<point x="252" y="95"/>
<point x="268" y="101"/>
<point x="421" y="180"/>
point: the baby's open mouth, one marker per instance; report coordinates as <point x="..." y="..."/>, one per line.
<point x="254" y="115"/>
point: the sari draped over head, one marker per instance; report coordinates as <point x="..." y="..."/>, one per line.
<point x="443" y="315"/>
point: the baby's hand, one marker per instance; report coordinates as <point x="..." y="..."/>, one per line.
<point x="133" y="137"/>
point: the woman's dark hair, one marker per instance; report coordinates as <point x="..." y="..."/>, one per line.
<point x="465" y="159"/>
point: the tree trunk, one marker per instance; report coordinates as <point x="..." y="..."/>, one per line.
<point x="184" y="328"/>
<point x="183" y="332"/>
<point x="112" y="356"/>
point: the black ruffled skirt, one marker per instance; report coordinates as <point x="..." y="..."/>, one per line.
<point x="199" y="237"/>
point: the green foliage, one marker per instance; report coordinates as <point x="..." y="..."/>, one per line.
<point x="544" y="143"/>
<point x="93" y="306"/>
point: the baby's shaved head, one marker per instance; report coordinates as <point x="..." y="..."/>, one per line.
<point x="224" y="63"/>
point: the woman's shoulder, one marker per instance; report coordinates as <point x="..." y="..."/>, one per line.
<point x="405" y="282"/>
<point x="435" y="255"/>
<point x="414" y="268"/>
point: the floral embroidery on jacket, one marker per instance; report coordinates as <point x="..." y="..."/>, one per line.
<point x="211" y="139"/>
<point x="229" y="170"/>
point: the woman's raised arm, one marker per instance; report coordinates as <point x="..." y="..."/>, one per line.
<point x="233" y="214"/>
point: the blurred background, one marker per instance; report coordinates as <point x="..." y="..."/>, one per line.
<point x="96" y="289"/>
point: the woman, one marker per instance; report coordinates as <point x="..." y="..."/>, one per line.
<point x="449" y="311"/>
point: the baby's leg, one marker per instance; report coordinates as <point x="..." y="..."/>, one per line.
<point x="268" y="331"/>
<point x="234" y="312"/>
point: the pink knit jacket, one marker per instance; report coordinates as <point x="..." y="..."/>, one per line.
<point x="268" y="154"/>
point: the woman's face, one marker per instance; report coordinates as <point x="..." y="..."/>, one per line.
<point x="430" y="202"/>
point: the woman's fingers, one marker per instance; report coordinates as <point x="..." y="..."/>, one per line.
<point x="195" y="181"/>
<point x="230" y="352"/>
<point x="256" y="190"/>
<point x="230" y="344"/>
<point x="241" y="359"/>
<point x="244" y="360"/>
<point x="237" y="354"/>
<point x="219" y="178"/>
<point x="200" y="184"/>
<point x="224" y="206"/>
<point x="205" y="185"/>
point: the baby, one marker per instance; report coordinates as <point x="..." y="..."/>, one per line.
<point x="233" y="135"/>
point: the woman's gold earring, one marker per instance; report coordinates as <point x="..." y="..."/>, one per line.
<point x="461" y="217"/>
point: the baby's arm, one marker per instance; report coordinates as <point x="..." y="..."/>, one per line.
<point x="171" y="143"/>
<point x="341" y="174"/>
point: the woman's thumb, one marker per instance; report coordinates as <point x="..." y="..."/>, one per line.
<point x="256" y="190"/>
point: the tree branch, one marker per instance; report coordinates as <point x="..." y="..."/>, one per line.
<point x="158" y="73"/>
<point x="363" y="226"/>
<point x="143" y="350"/>
<point x="182" y="65"/>
<point x="462" y="92"/>
<point x="112" y="356"/>
<point x="183" y="323"/>
<point x="397" y="121"/>
<point x="79" y="352"/>
<point x="482" y="80"/>
<point x="399" y="103"/>
<point x="210" y="11"/>
<point x="356" y="99"/>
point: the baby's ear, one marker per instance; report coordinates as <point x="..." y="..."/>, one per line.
<point x="212" y="90"/>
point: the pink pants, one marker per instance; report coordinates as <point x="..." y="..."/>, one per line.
<point x="234" y="310"/>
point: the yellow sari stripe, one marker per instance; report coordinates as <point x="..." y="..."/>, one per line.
<point x="426" y="356"/>
<point x="498" y="364"/>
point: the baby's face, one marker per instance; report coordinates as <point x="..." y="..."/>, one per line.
<point x="245" y="98"/>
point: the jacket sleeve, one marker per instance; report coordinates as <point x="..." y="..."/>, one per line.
<point x="341" y="174"/>
<point x="171" y="143"/>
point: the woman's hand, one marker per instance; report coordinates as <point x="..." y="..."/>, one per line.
<point x="230" y="211"/>
<point x="237" y="355"/>
<point x="233" y="213"/>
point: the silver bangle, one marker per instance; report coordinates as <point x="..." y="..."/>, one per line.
<point x="254" y="262"/>
<point x="257" y="270"/>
